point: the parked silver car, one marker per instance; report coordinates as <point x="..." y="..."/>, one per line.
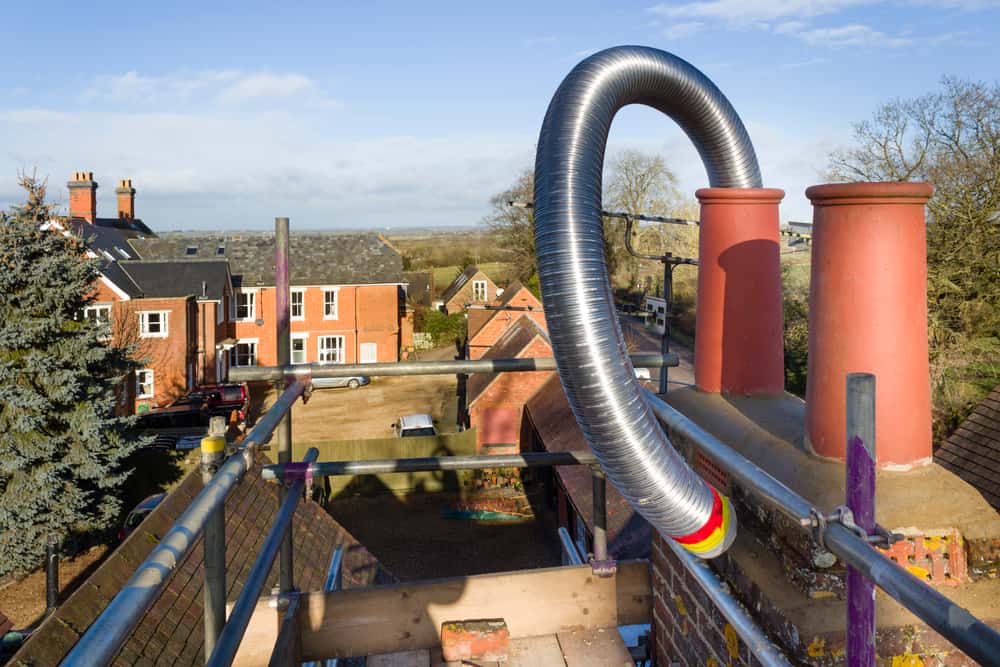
<point x="349" y="382"/>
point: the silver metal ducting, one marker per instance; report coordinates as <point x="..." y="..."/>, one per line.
<point x="586" y="335"/>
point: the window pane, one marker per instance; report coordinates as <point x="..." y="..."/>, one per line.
<point x="329" y="303"/>
<point x="298" y="350"/>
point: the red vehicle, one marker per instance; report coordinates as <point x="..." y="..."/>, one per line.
<point x="221" y="399"/>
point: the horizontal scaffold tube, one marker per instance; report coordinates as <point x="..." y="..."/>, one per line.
<point x="446" y="367"/>
<point x="586" y="335"/>
<point x="427" y="464"/>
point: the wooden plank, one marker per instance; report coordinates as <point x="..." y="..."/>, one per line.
<point x="418" y="658"/>
<point x="406" y="617"/>
<point x="597" y="647"/>
<point x="525" y="652"/>
<point x="535" y="652"/>
<point x="635" y="593"/>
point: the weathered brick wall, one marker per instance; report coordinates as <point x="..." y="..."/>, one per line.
<point x="496" y="412"/>
<point x="687" y="627"/>
<point x="365" y="314"/>
<point x="167" y="356"/>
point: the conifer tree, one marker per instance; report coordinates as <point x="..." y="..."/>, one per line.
<point x="61" y="446"/>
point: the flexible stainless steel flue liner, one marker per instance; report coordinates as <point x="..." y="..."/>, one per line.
<point x="585" y="332"/>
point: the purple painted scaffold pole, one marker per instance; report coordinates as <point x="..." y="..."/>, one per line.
<point x="861" y="501"/>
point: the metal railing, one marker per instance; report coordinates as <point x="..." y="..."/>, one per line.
<point x="961" y="628"/>
<point x="106" y="635"/>
<point x="444" y="367"/>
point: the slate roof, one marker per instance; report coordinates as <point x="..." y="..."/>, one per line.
<point x="510" y="344"/>
<point x="973" y="451"/>
<point x="172" y="631"/>
<point x="107" y="237"/>
<point x="508" y="294"/>
<point x="421" y="285"/>
<point x="158" y="279"/>
<point x="114" y="272"/>
<point x="629" y="535"/>
<point x="459" y="281"/>
<point x="315" y="259"/>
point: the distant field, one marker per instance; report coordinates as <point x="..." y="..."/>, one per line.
<point x="797" y="273"/>
<point x="443" y="275"/>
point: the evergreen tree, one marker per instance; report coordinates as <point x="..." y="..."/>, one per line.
<point x="61" y="446"/>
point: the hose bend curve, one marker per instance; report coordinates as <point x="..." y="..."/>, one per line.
<point x="586" y="335"/>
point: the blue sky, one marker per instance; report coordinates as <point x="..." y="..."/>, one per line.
<point x="384" y="115"/>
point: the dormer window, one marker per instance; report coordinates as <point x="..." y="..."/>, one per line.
<point x="191" y="250"/>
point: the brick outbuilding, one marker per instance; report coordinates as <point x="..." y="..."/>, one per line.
<point x="497" y="400"/>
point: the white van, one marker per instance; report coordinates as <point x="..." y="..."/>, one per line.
<point x="412" y="426"/>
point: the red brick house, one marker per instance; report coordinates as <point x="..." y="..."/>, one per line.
<point x="471" y="286"/>
<point x="194" y="305"/>
<point x="173" y="313"/>
<point x="497" y="400"/>
<point x="347" y="294"/>
<point x="487" y="323"/>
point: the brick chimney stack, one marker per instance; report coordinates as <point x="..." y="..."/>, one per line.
<point x="83" y="196"/>
<point x="126" y="199"/>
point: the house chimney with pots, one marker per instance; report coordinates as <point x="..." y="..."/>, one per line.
<point x="126" y="199"/>
<point x="83" y="196"/>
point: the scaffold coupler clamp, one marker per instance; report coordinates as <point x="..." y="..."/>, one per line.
<point x="296" y="471"/>
<point x="280" y="601"/>
<point x="843" y="515"/>
<point x="604" y="568"/>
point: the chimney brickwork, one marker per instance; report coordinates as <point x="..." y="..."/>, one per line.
<point x="83" y="196"/>
<point x="126" y="199"/>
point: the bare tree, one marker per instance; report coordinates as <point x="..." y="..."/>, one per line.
<point x="637" y="183"/>
<point x="515" y="226"/>
<point x="640" y="182"/>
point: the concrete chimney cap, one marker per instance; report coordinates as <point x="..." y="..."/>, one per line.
<point x="83" y="178"/>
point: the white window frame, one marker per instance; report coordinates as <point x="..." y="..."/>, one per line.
<point x="164" y="325"/>
<point x="331" y="354"/>
<point x="301" y="292"/>
<point x="480" y="287"/>
<point x="327" y="291"/>
<point x="151" y="382"/>
<point x="234" y="359"/>
<point x="367" y="346"/>
<point x="98" y="308"/>
<point x="251" y="294"/>
<point x="304" y="337"/>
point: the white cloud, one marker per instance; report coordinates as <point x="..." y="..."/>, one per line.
<point x="805" y="63"/>
<point x="793" y="18"/>
<point x="265" y="84"/>
<point x="221" y="169"/>
<point x="751" y="11"/>
<point x="854" y="34"/>
<point x="683" y="30"/>
<point x="223" y="87"/>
